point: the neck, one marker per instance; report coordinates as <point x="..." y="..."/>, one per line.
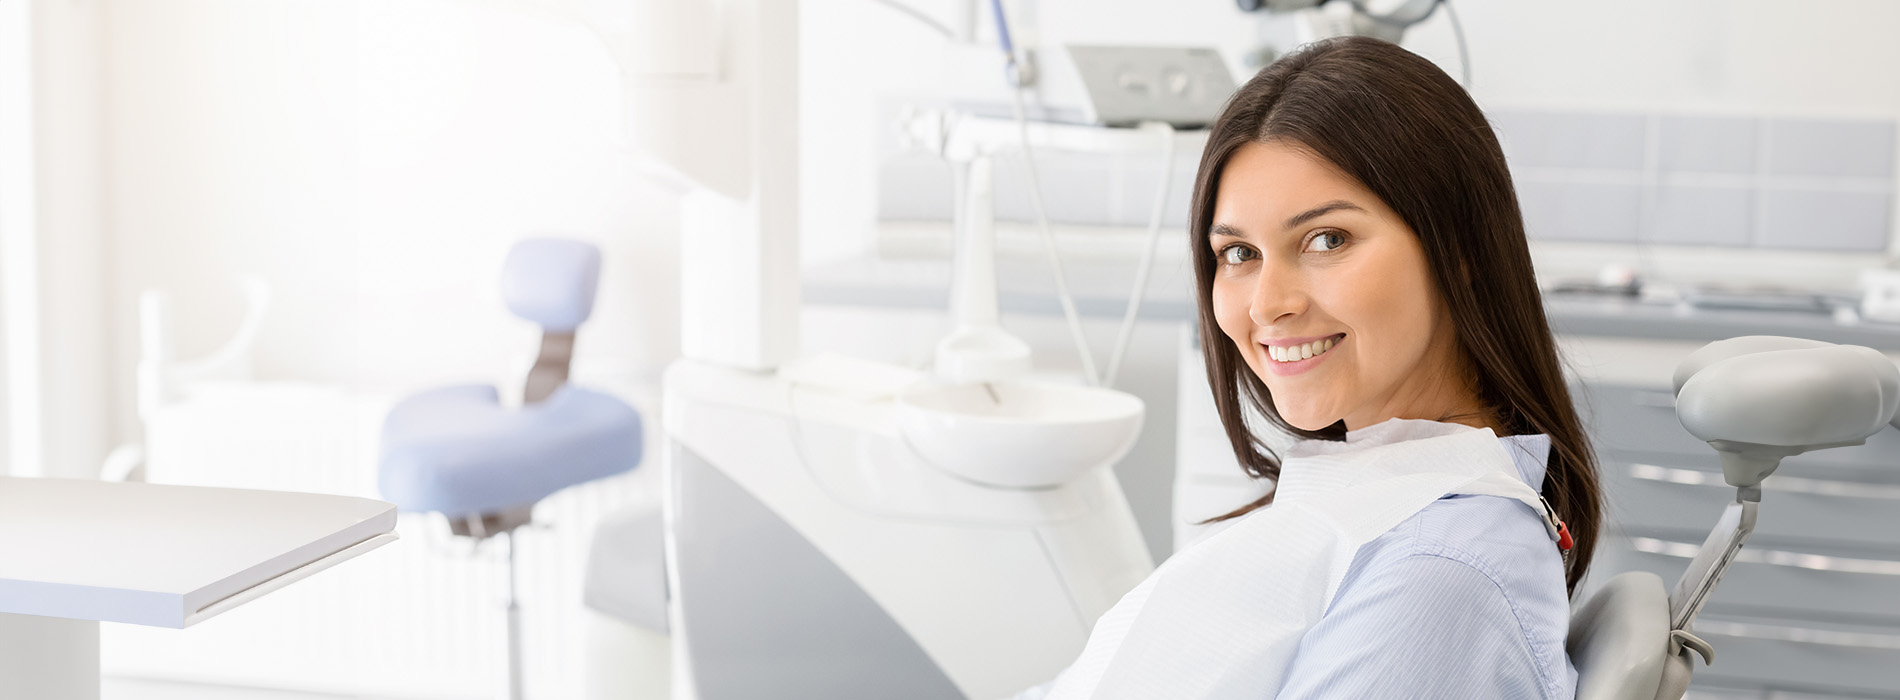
<point x="1444" y="390"/>
<point x="1457" y="403"/>
<point x="1476" y="419"/>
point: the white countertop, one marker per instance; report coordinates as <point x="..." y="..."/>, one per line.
<point x="168" y="556"/>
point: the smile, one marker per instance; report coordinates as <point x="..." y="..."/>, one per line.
<point x="1294" y="359"/>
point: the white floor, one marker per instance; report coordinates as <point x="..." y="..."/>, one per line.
<point x="139" y="689"/>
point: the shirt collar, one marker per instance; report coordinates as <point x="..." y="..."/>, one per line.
<point x="1530" y="453"/>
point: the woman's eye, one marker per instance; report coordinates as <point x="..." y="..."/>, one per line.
<point x="1236" y="254"/>
<point x="1326" y="241"/>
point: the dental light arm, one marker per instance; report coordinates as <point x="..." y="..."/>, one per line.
<point x="1389" y="24"/>
<point x="1757" y="400"/>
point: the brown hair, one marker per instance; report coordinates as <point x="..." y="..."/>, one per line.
<point x="1408" y="133"/>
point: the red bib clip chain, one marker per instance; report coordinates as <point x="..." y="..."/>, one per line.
<point x="1558" y="530"/>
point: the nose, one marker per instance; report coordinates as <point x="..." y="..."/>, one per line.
<point x="1277" y="295"/>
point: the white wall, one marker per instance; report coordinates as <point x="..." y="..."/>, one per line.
<point x="16" y="227"/>
<point x="372" y="161"/>
<point x="50" y="240"/>
<point x="1808" y="58"/>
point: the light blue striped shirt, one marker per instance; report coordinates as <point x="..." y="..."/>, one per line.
<point x="1465" y="599"/>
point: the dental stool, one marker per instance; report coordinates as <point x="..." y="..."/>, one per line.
<point x="1756" y="400"/>
<point x="459" y="452"/>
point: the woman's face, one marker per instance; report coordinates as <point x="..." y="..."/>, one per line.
<point x="1309" y="264"/>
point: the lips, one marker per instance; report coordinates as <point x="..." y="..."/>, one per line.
<point x="1290" y="356"/>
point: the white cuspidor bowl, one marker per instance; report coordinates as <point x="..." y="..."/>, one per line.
<point x="1031" y="435"/>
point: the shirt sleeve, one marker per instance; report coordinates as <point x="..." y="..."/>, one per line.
<point x="1420" y="626"/>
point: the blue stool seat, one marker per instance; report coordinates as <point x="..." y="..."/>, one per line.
<point x="458" y="451"/>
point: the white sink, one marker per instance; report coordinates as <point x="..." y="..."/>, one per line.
<point x="1029" y="435"/>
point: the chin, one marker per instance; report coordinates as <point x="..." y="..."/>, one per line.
<point x="1314" y="426"/>
<point x="1308" y="420"/>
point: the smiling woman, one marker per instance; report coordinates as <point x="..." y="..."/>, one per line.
<point x="1361" y="264"/>
<point x="1364" y="284"/>
<point x="1354" y="195"/>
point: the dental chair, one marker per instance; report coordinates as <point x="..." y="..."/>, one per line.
<point x="459" y="452"/>
<point x="1756" y="400"/>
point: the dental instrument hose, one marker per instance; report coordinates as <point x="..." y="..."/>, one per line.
<point x="1019" y="78"/>
<point x="1146" y="266"/>
<point x="1049" y="244"/>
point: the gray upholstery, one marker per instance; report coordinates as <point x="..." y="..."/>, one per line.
<point x="1619" y="639"/>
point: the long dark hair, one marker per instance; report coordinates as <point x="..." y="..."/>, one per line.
<point x="1408" y="133"/>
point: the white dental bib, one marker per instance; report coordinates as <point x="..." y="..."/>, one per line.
<point x="1223" y="618"/>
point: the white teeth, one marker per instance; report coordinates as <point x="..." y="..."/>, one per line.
<point x="1295" y="353"/>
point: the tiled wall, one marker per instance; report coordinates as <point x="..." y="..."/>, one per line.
<point x="1734" y="181"/>
<point x="1077" y="188"/>
<point x="1809" y="184"/>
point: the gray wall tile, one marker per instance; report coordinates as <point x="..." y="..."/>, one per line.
<point x="1830" y="148"/>
<point x="1139" y="178"/>
<point x="1707" y="144"/>
<point x="1567" y="211"/>
<point x="1076" y="188"/>
<point x="915" y="186"/>
<point x="1553" y="139"/>
<point x="1087" y="189"/>
<point x="1825" y="220"/>
<point x="1012" y="197"/>
<point x="1186" y="167"/>
<point x="1694" y="215"/>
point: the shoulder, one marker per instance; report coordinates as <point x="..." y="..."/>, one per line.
<point x="1503" y="537"/>
<point x="1497" y="547"/>
<point x="1469" y="591"/>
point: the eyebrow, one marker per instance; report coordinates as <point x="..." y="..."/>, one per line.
<point x="1322" y="210"/>
<point x="1296" y="220"/>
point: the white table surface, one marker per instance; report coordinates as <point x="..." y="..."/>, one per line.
<point x="168" y="556"/>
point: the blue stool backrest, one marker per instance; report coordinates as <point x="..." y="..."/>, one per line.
<point x="551" y="281"/>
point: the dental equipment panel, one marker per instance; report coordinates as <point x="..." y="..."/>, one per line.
<point x="1128" y="85"/>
